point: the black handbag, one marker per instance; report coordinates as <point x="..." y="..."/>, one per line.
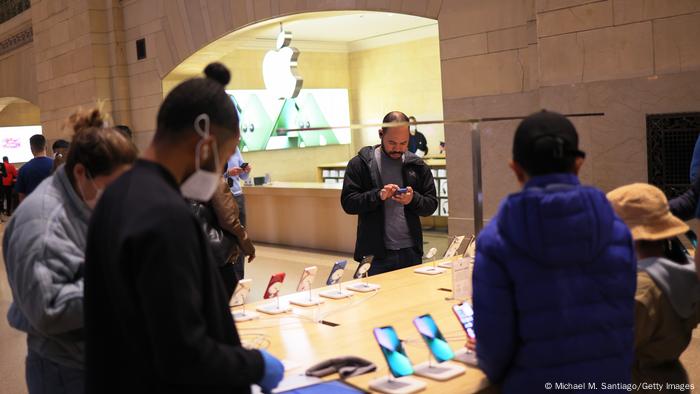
<point x="222" y="242"/>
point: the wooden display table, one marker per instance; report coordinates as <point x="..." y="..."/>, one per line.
<point x="295" y="337"/>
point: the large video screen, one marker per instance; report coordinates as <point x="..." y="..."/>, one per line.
<point x="262" y="115"/>
<point x="14" y="142"/>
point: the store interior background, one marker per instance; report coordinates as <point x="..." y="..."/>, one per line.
<point x="386" y="61"/>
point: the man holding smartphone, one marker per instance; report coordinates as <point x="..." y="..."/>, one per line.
<point x="389" y="188"/>
<point x="237" y="169"/>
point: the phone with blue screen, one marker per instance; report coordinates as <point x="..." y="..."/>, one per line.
<point x="465" y="314"/>
<point x="433" y="338"/>
<point x="393" y="351"/>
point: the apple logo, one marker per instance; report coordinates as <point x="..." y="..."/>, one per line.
<point x="280" y="68"/>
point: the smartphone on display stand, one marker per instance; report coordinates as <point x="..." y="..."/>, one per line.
<point x="393" y="351"/>
<point x="362" y="274"/>
<point x="304" y="286"/>
<point x="439" y="349"/>
<point x="399" y="365"/>
<point x="239" y="297"/>
<point x="273" y="290"/>
<point x="465" y="315"/>
<point x="336" y="272"/>
<point x="334" y="278"/>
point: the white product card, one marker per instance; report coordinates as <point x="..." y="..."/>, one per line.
<point x="326" y="173"/>
<point x="461" y="279"/>
<point x="443" y="187"/>
<point x="442" y="173"/>
<point x="334" y="173"/>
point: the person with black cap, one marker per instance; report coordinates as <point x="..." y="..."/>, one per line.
<point x="555" y="273"/>
<point x="157" y="316"/>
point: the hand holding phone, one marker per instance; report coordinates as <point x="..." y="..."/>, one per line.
<point x="393" y="351"/>
<point x="465" y="315"/>
<point x="244" y="165"/>
<point x="273" y="287"/>
<point x="401" y="190"/>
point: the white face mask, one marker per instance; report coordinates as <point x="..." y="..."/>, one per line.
<point x="92" y="203"/>
<point x="412" y="129"/>
<point x="201" y="185"/>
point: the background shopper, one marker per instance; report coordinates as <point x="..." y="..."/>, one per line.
<point x="44" y="252"/>
<point x="667" y="300"/>
<point x="554" y="274"/>
<point x="388" y="221"/>
<point x="157" y="317"/>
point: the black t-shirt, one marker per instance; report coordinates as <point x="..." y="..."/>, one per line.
<point x="156" y="315"/>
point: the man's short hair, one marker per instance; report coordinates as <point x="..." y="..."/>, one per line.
<point x="394" y="116"/>
<point x="5" y="159"/>
<point x="37" y="143"/>
<point x="60" y="144"/>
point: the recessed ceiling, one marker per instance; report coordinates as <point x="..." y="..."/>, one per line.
<point x="321" y="31"/>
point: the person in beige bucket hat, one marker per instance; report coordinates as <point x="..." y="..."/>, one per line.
<point x="667" y="300"/>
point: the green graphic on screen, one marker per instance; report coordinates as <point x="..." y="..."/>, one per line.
<point x="261" y="117"/>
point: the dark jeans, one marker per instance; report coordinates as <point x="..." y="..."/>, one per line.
<point x="46" y="377"/>
<point x="228" y="274"/>
<point x="394" y="260"/>
<point x="239" y="266"/>
<point x="7" y="200"/>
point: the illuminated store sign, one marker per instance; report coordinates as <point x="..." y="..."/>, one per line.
<point x="280" y="68"/>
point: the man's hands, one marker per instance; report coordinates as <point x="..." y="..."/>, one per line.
<point x="236" y="171"/>
<point x="389" y="191"/>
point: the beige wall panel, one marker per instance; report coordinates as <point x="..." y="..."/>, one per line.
<point x="19" y="84"/>
<point x="502" y="40"/>
<point x="465" y="17"/>
<point x="677" y="44"/>
<point x="494" y="73"/>
<point x="549" y="5"/>
<point x="627" y="11"/>
<point x="463" y="46"/>
<point x="20" y="114"/>
<point x="617" y="52"/>
<point x="584" y="17"/>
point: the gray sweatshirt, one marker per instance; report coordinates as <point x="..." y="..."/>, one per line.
<point x="44" y="251"/>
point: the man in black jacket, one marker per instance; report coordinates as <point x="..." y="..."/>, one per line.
<point x="389" y="226"/>
<point x="157" y="318"/>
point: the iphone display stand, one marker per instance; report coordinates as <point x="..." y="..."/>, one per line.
<point x="440" y="372"/>
<point x="466" y="356"/>
<point x="363" y="286"/>
<point x="430" y="270"/>
<point x="389" y="385"/>
<point x="446" y="264"/>
<point x="274" y="308"/>
<point x="244" y="315"/>
<point x="306" y="300"/>
<point x="336" y="294"/>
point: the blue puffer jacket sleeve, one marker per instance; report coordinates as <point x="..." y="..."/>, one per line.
<point x="494" y="299"/>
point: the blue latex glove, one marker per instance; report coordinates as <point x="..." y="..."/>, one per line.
<point x="274" y="372"/>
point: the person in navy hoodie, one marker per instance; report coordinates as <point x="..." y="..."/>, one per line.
<point x="554" y="275"/>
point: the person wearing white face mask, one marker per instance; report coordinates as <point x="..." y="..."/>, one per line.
<point x="416" y="141"/>
<point x="156" y="312"/>
<point x="43" y="247"/>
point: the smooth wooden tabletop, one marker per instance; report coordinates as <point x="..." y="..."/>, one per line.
<point x="301" y="342"/>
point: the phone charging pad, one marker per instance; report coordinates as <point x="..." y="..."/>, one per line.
<point x="441" y="372"/>
<point x="405" y="385"/>
<point x="335" y="294"/>
<point x="273" y="308"/>
<point x="429" y="270"/>
<point x="363" y="287"/>
<point x="306" y="300"/>
<point x="467" y="357"/>
<point x="244" y="315"/>
<point x="445" y="264"/>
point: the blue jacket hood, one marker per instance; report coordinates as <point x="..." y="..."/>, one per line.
<point x="539" y="219"/>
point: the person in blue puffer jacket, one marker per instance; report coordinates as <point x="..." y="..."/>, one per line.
<point x="554" y="275"/>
